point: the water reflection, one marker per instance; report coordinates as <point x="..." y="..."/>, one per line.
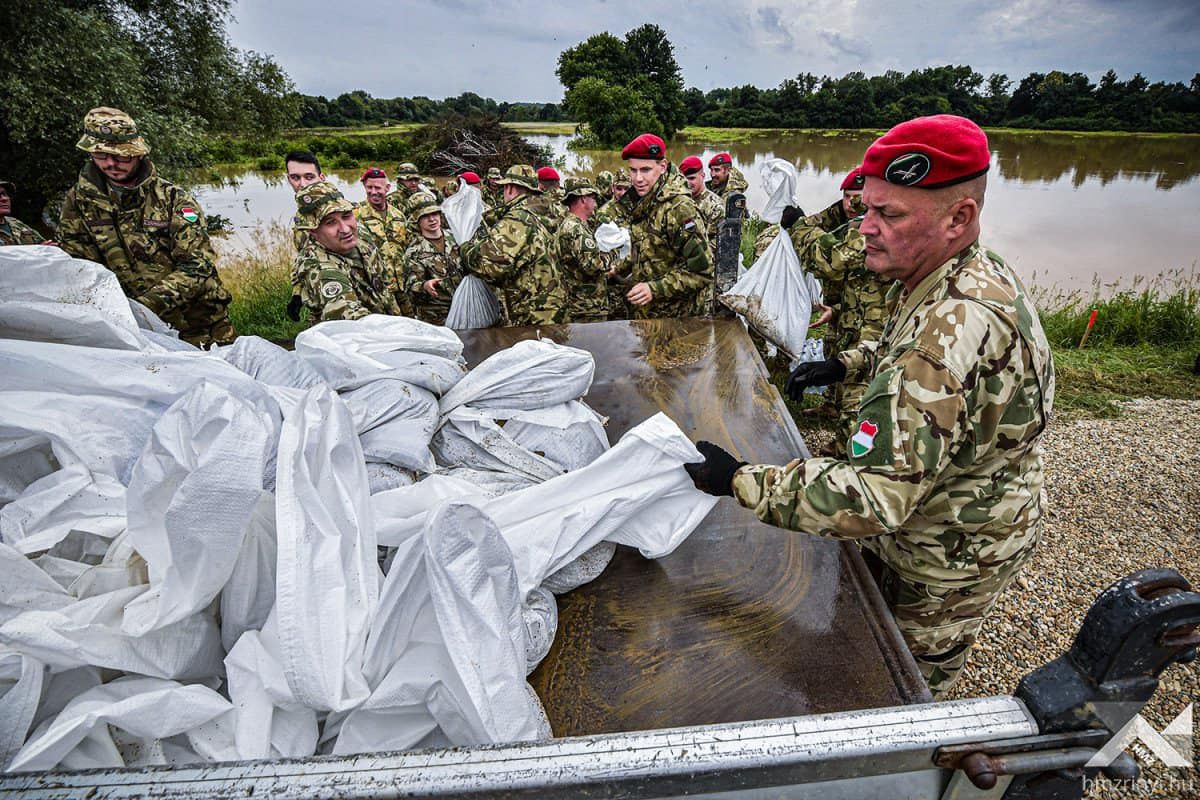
<point x="1065" y="207"/>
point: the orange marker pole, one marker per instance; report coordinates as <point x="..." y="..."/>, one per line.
<point x="1088" y="332"/>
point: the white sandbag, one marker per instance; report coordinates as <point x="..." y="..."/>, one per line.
<point x="144" y="707"/>
<point x="21" y="679"/>
<point x="610" y="237"/>
<point x="192" y="497"/>
<point x="48" y="296"/>
<point x="71" y="499"/>
<point x="268" y="721"/>
<point x="539" y="614"/>
<point x="249" y="594"/>
<point x="25" y="457"/>
<point x="534" y="373"/>
<point x="268" y="362"/>
<point x="774" y="297"/>
<point x="469" y="437"/>
<point x="473" y="305"/>
<point x="463" y="211"/>
<point x="488" y="482"/>
<point x="780" y="181"/>
<point x="344" y="351"/>
<point x="430" y="372"/>
<point x="88" y="633"/>
<point x="328" y="581"/>
<point x="122" y="567"/>
<point x="569" y="435"/>
<point x="400" y="513"/>
<point x="24" y="587"/>
<point x="62" y="571"/>
<point x="584" y="569"/>
<point x="395" y="421"/>
<point x="385" y="477"/>
<point x="636" y="494"/>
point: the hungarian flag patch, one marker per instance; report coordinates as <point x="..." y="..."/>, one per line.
<point x="863" y="441"/>
<point x="190" y="214"/>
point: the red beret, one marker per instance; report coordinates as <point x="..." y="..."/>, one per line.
<point x="691" y="164"/>
<point x="720" y="158"/>
<point x="469" y="177"/>
<point x="547" y="174"/>
<point x="645" y="146"/>
<point x="373" y="172"/>
<point x="854" y="181"/>
<point x="929" y="152"/>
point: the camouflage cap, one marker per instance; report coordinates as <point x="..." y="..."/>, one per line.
<point x="578" y="187"/>
<point x="112" y="131"/>
<point x="407" y="171"/>
<point x="420" y="204"/>
<point x="493" y="174"/>
<point x="622" y="179"/>
<point x="521" y="175"/>
<point x="8" y="186"/>
<point x="317" y="201"/>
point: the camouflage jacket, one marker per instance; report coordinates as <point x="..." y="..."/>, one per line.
<point x="424" y="261"/>
<point x="13" y="231"/>
<point x="153" y="237"/>
<point x="858" y="296"/>
<point x="549" y="208"/>
<point x="712" y="210"/>
<point x="945" y="469"/>
<point x="388" y="230"/>
<point x="347" y="286"/>
<point x="735" y="183"/>
<point x="611" y="211"/>
<point x="669" y="250"/>
<point x="516" y="256"/>
<point x="826" y="220"/>
<point x="583" y="269"/>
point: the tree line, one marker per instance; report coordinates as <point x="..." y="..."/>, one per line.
<point x="357" y="108"/>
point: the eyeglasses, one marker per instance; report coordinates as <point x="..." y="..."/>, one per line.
<point x="100" y="158"/>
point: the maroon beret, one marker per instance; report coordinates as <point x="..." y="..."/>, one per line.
<point x="469" y="177"/>
<point x="854" y="181"/>
<point x="929" y="152"/>
<point x="373" y="172"/>
<point x="720" y="158"/>
<point x="691" y="164"/>
<point x="645" y="146"/>
<point x="547" y="174"/>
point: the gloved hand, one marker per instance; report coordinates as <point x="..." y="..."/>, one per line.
<point x="714" y="475"/>
<point x="293" y="307"/>
<point x="814" y="373"/>
<point x="791" y="215"/>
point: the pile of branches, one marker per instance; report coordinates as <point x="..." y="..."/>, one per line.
<point x="458" y="143"/>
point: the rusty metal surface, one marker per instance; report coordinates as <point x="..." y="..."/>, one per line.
<point x="743" y="621"/>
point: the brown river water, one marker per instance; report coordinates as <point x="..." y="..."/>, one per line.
<point x="1065" y="210"/>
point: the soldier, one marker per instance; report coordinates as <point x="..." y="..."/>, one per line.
<point x="378" y="219"/>
<point x="604" y="182"/>
<point x="944" y="478"/>
<point x="492" y="193"/>
<point x="584" y="268"/>
<point x="408" y="183"/>
<point x="611" y="210"/>
<point x="301" y="168"/>
<point x="726" y="179"/>
<point x="548" y="205"/>
<point x="516" y="256"/>
<point x="12" y="230"/>
<point x="344" y="277"/>
<point x="148" y="231"/>
<point x="432" y="263"/>
<point x="711" y="208"/>
<point x="670" y="265"/>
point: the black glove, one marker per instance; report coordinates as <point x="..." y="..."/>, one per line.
<point x="791" y="215"/>
<point x="714" y="475"/>
<point x="814" y="373"/>
<point x="293" y="307"/>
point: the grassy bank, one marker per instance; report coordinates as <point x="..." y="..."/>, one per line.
<point x="1144" y="343"/>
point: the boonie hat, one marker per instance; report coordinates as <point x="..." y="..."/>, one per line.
<point x="420" y="204"/>
<point x="317" y="201"/>
<point x="521" y="175"/>
<point x="407" y="171"/>
<point x="578" y="187"/>
<point x="929" y="153"/>
<point x="112" y="131"/>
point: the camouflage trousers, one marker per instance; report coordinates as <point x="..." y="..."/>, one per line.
<point x="218" y="331"/>
<point x="940" y="624"/>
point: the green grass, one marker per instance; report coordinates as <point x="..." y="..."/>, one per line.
<point x="259" y="279"/>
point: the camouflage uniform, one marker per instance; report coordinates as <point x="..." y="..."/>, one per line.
<point x="151" y="235"/>
<point x="548" y="206"/>
<point x="399" y="196"/>
<point x="944" y="478"/>
<point x="735" y="183"/>
<point x="492" y="195"/>
<point x="584" y="268"/>
<point x="826" y="220"/>
<point x="604" y="182"/>
<point x="426" y="259"/>
<point x="516" y="256"/>
<point x="712" y="211"/>
<point x="340" y="285"/>
<point x="387" y="229"/>
<point x="13" y="231"/>
<point x="669" y="249"/>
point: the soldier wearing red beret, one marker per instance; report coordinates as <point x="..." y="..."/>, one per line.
<point x="726" y="179"/>
<point x="943" y="478"/>
<point x="548" y="205"/>
<point x="709" y="205"/>
<point x="672" y="269"/>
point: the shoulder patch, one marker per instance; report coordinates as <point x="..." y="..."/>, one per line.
<point x="331" y="289"/>
<point x="689" y="224"/>
<point x="189" y="214"/>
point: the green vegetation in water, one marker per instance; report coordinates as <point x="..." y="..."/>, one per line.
<point x="336" y="150"/>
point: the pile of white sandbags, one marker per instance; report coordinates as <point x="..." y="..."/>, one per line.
<point x="190" y="541"/>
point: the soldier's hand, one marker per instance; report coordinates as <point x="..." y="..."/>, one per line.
<point x="431" y="286"/>
<point x="814" y="373"/>
<point x="293" y="307"/>
<point x="714" y="475"/>
<point x="640" y="295"/>
<point x="826" y="315"/>
<point x="791" y="215"/>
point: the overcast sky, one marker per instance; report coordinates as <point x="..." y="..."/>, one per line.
<point x="507" y="49"/>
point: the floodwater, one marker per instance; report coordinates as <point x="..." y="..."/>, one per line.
<point x="1064" y="209"/>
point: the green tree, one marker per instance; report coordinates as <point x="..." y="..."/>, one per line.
<point x="613" y="114"/>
